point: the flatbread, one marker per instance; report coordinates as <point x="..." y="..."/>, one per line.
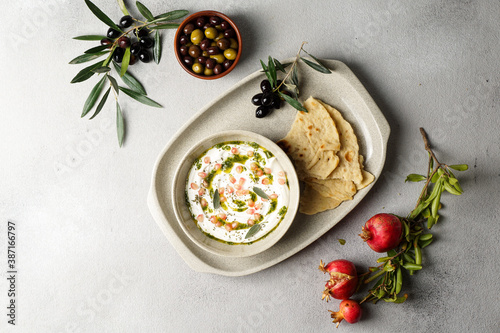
<point x="333" y="188"/>
<point x="349" y="167"/>
<point x="312" y="142"/>
<point x="325" y="151"/>
<point x="312" y="202"/>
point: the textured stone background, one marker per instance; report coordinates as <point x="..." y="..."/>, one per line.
<point x="92" y="259"/>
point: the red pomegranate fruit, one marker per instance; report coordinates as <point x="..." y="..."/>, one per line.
<point x="349" y="310"/>
<point x="382" y="232"/>
<point x="343" y="279"/>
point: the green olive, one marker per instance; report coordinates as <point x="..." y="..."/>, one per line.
<point x="211" y="33"/>
<point x="197" y="68"/>
<point x="234" y="43"/>
<point x="208" y="72"/>
<point x="205" y="54"/>
<point x="230" y="54"/>
<point x="219" y="36"/>
<point x="219" y="58"/>
<point x="197" y="36"/>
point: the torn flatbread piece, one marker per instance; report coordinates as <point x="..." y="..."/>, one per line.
<point x="313" y="142"/>
<point x="325" y="151"/>
<point x="312" y="202"/>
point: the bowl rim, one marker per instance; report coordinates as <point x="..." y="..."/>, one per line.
<point x="236" y="250"/>
<point x="207" y="13"/>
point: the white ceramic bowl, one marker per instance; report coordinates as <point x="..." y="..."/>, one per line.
<point x="184" y="215"/>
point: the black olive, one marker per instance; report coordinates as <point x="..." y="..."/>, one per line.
<point x="262" y="111"/>
<point x="218" y="69"/>
<point x="106" y="41"/>
<point x="194" y="51"/>
<point x="112" y="33"/>
<point x="188" y="61"/>
<point x="118" y="54"/>
<point x="210" y="64"/>
<point x="225" y="25"/>
<point x="135" y="48"/>
<point x="133" y="59"/>
<point x="123" y="42"/>
<point x="144" y="56"/>
<point x="202" y="60"/>
<point x="257" y="99"/>
<point x="200" y="21"/>
<point x="184" y="50"/>
<point x="276" y="103"/>
<point x="143" y="32"/>
<point x="227" y="63"/>
<point x="215" y="20"/>
<point x="146" y="42"/>
<point x="212" y="50"/>
<point x="126" y="21"/>
<point x="188" y="28"/>
<point x="205" y="44"/>
<point x="223" y="43"/>
<point x="267" y="98"/>
<point x="265" y="86"/>
<point x="229" y="33"/>
<point x="183" y="39"/>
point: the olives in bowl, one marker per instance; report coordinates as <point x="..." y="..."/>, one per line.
<point x="208" y="45"/>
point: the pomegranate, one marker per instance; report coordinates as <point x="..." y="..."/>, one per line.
<point x="349" y="310"/>
<point x="343" y="279"/>
<point x="382" y="232"/>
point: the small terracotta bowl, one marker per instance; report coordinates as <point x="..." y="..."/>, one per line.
<point x="192" y="19"/>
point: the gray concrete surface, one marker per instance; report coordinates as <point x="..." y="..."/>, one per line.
<point x="89" y="256"/>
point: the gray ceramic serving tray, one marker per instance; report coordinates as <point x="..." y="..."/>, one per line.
<point x="233" y="110"/>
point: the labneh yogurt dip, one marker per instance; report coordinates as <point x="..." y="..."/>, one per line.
<point x="237" y="192"/>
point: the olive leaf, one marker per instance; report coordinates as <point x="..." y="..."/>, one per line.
<point x="296" y="104"/>
<point x="253" y="230"/>
<point x="87" y="57"/>
<point x="216" y="199"/>
<point x="144" y="11"/>
<point x="113" y="83"/>
<point x="414" y="178"/>
<point x="125" y="61"/>
<point x="318" y="65"/>
<point x="101" y="70"/>
<point x="90" y="37"/>
<point x="260" y="193"/>
<point x="101" y="16"/>
<point x="131" y="81"/>
<point x="172" y="15"/>
<point x="94" y="94"/>
<point x="157" y="47"/>
<point x="140" y="97"/>
<point x="266" y="70"/>
<point x="280" y="66"/>
<point x="165" y="26"/>
<point x="86" y="73"/>
<point x="96" y="49"/>
<point x="101" y="103"/>
<point x="123" y="8"/>
<point x="120" y="124"/>
<point x="108" y="59"/>
<point x="272" y="71"/>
